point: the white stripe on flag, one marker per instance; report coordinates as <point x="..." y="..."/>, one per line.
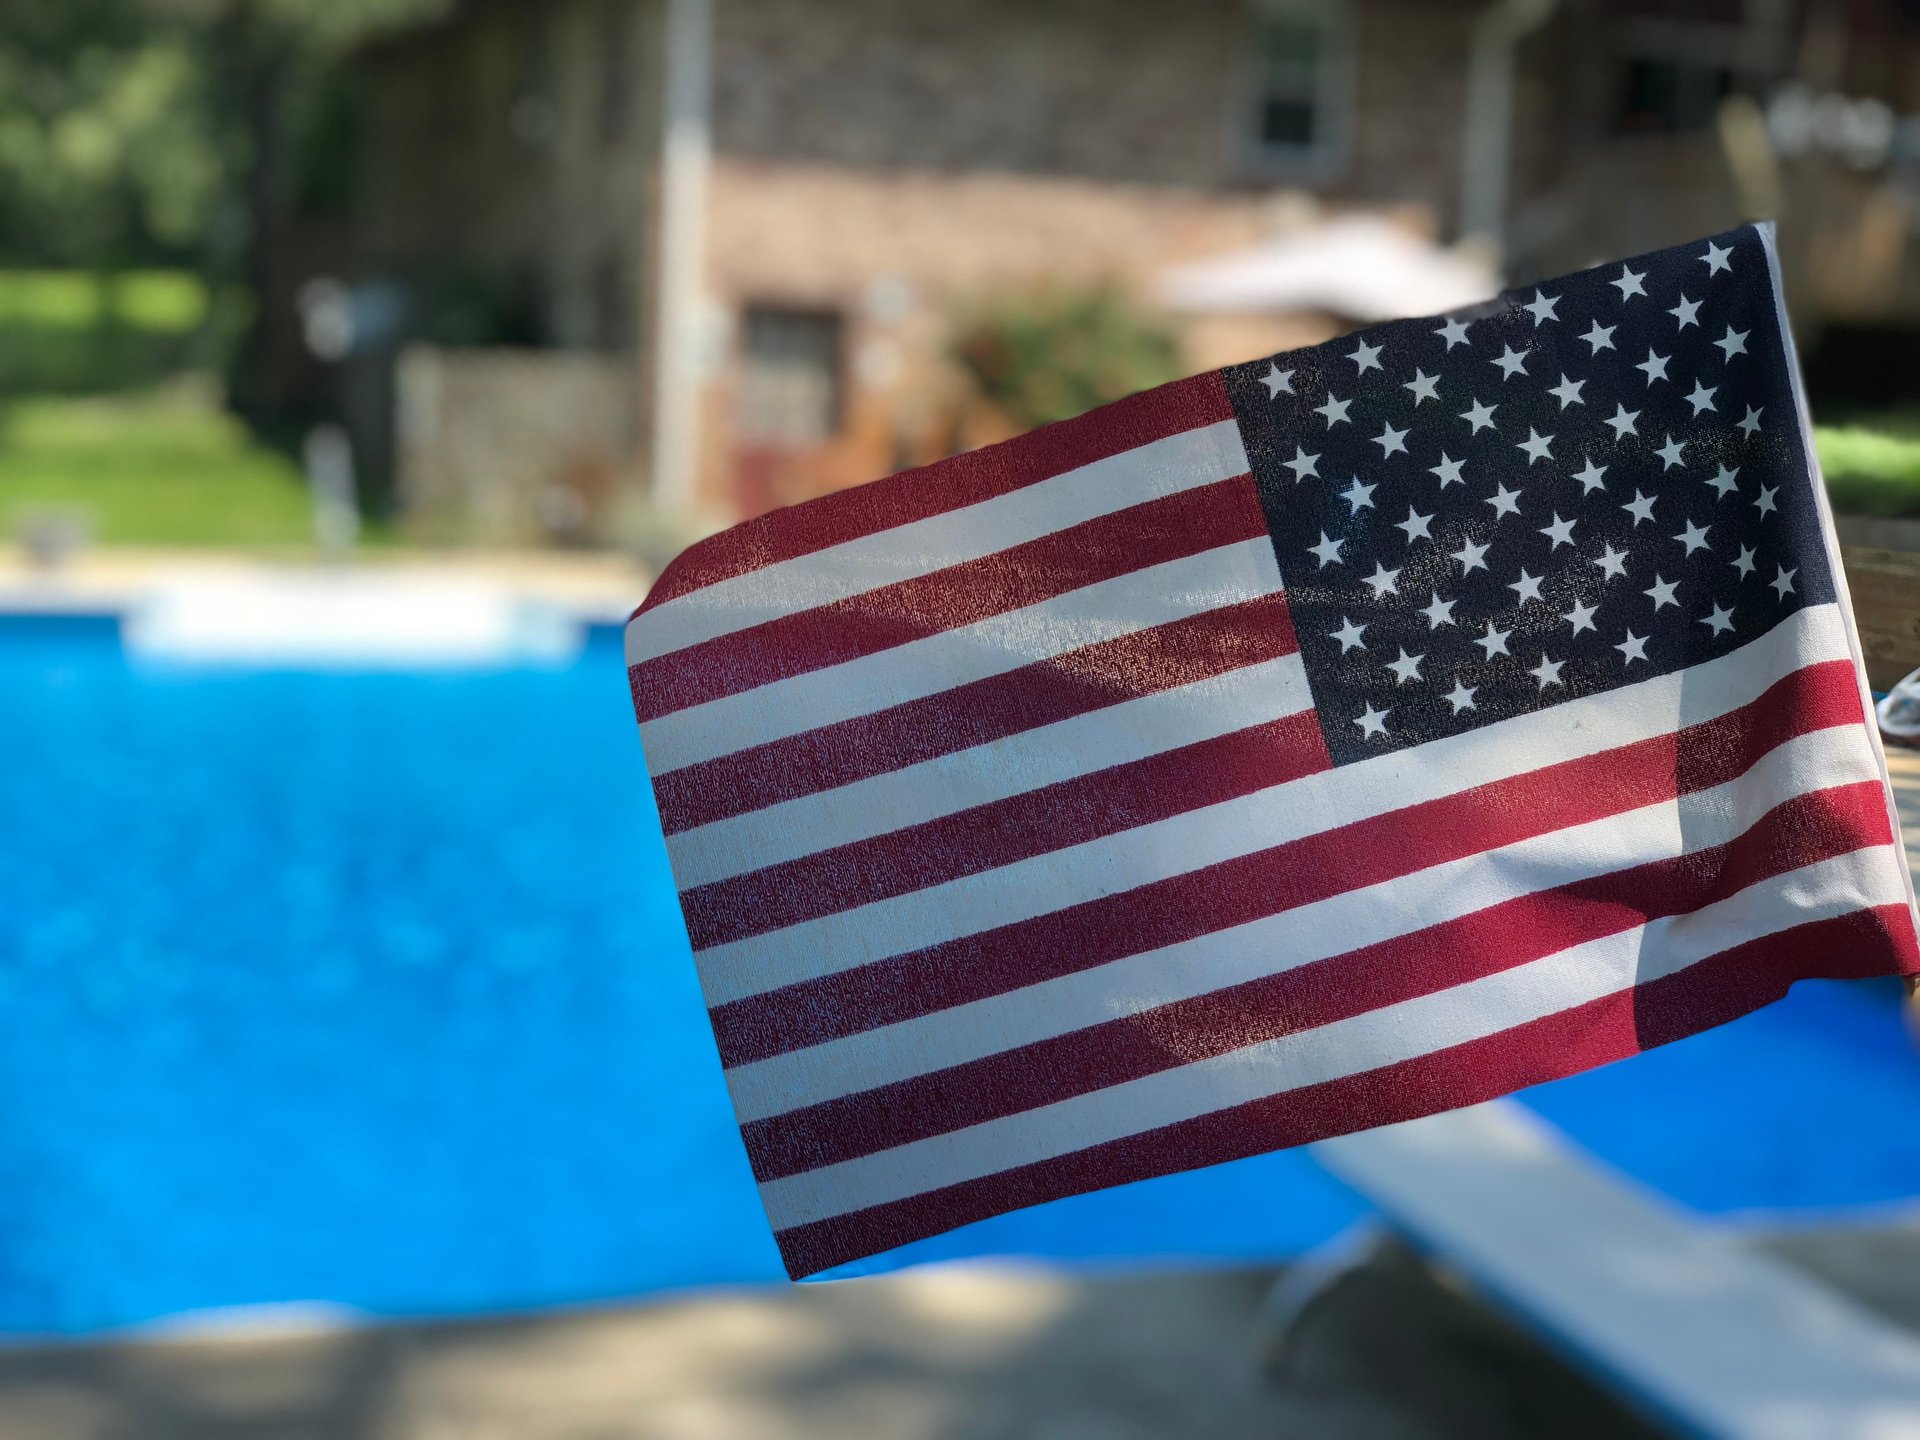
<point x="1276" y="943"/>
<point x="1138" y="600"/>
<point x="1185" y="461"/>
<point x="1436" y="1021"/>
<point x="1199" y="838"/>
<point x="1010" y="765"/>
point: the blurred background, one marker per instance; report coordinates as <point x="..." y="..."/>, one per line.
<point x="360" y="363"/>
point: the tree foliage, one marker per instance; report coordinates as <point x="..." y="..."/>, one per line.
<point x="135" y="131"/>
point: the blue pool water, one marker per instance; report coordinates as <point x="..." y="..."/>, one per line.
<point x="371" y="989"/>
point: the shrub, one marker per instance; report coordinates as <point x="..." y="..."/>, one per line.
<point x="1055" y="355"/>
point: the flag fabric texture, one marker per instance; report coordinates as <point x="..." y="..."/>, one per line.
<point x="1297" y="748"/>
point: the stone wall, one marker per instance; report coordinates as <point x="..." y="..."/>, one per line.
<point x="1115" y="90"/>
<point x="902" y="162"/>
<point x="513" y="446"/>
<point x="904" y="257"/>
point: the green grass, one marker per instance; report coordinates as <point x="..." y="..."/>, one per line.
<point x="74" y="332"/>
<point x="164" y="302"/>
<point x="165" y="468"/>
<point x="1873" y="465"/>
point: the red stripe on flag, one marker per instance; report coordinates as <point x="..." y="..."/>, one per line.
<point x="1002" y="832"/>
<point x="1117" y="543"/>
<point x="1799" y="832"/>
<point x="1078" y="682"/>
<point x="1715" y="990"/>
<point x="949" y="485"/>
<point x="1008" y="957"/>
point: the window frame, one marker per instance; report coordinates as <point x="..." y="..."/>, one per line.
<point x="1334" y="97"/>
<point x="1749" y="52"/>
<point x="840" y="323"/>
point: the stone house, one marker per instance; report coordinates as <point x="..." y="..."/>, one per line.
<point x="752" y="225"/>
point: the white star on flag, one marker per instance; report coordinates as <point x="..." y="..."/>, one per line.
<point x="1568" y="391"/>
<point x="1383" y="581"/>
<point x="1694" y="537"/>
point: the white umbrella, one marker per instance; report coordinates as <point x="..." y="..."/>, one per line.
<point x="1360" y="267"/>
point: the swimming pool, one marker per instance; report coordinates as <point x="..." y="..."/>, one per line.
<point x="370" y="988"/>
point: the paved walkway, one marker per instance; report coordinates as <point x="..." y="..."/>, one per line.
<point x="955" y="1354"/>
<point x="598" y="585"/>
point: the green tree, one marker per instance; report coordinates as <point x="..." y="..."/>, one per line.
<point x="163" y="131"/>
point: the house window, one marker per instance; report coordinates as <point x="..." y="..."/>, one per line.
<point x="1301" y="57"/>
<point x="1679" y="61"/>
<point x="790" y="379"/>
<point x="1671" y="97"/>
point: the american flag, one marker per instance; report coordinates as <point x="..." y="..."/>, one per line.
<point x="1318" y="743"/>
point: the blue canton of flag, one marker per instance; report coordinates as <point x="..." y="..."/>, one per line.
<point x="1579" y="486"/>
